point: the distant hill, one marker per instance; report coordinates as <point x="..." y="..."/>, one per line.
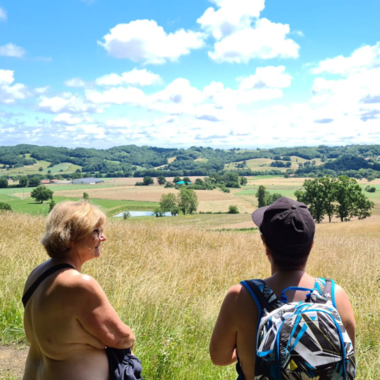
<point x="130" y="160"/>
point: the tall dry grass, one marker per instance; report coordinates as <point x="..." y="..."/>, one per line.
<point x="168" y="283"/>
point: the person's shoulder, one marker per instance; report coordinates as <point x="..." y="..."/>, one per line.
<point x="77" y="283"/>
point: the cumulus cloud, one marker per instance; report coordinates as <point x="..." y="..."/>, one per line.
<point x="135" y="78"/>
<point x="266" y="40"/>
<point x="366" y="57"/>
<point x="75" y="82"/>
<point x="144" y="41"/>
<point x="67" y="103"/>
<point x="266" y="77"/>
<point x="10" y="92"/>
<point x="67" y="119"/>
<point x="3" y="15"/>
<point x="11" y="50"/>
<point x="241" y="35"/>
<point x="231" y="16"/>
<point x="117" y="95"/>
<point x="356" y="92"/>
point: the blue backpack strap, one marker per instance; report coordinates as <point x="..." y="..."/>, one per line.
<point x="257" y="294"/>
<point x="329" y="291"/>
<point x="326" y="287"/>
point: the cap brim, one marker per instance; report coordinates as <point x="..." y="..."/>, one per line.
<point x="258" y="215"/>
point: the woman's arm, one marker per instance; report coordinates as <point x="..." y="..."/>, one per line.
<point x="224" y="336"/>
<point x="346" y="313"/>
<point x="97" y="316"/>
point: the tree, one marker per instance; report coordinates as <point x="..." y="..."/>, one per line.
<point x="187" y="201"/>
<point x="34" y="181"/>
<point x="161" y="180"/>
<point x="126" y="215"/>
<point x="168" y="184"/>
<point x="158" y="212"/>
<point x="261" y="196"/>
<point x="243" y="181"/>
<point x="312" y="197"/>
<point x="177" y="179"/>
<point x="363" y="207"/>
<point x="187" y="180"/>
<point x="233" y="210"/>
<point x="51" y="205"/>
<point x="351" y="201"/>
<point x="86" y="196"/>
<point x="41" y="194"/>
<point x="168" y="202"/>
<point x="40" y="169"/>
<point x="3" y="183"/>
<point x="23" y="182"/>
<point x="5" y="206"/>
<point x="147" y="181"/>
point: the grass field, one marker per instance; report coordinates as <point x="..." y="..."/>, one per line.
<point x="64" y="167"/>
<point x="263" y="164"/>
<point x="167" y="282"/>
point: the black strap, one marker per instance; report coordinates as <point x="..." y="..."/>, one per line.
<point x="47" y="273"/>
<point x="259" y="295"/>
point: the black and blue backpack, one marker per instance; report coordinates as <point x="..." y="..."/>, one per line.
<point x="303" y="340"/>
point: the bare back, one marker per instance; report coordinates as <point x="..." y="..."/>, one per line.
<point x="60" y="347"/>
<point x="238" y="318"/>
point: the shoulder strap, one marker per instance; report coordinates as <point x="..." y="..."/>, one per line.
<point x="42" y="277"/>
<point x="257" y="295"/>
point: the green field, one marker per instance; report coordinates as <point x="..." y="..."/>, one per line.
<point x="64" y="168"/>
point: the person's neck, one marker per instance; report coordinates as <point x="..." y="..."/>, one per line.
<point x="69" y="258"/>
<point x="277" y="272"/>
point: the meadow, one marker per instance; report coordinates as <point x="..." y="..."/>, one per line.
<point x="170" y="282"/>
<point x="172" y="273"/>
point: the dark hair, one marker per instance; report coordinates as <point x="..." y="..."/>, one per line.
<point x="289" y="260"/>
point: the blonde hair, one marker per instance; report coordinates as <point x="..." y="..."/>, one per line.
<point x="69" y="222"/>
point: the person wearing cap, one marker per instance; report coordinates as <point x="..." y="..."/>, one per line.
<point x="287" y="232"/>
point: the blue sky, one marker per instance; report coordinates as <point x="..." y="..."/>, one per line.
<point x="220" y="73"/>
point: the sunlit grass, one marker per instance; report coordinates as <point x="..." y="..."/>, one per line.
<point x="168" y="282"/>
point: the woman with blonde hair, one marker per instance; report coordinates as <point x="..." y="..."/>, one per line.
<point x="68" y="319"/>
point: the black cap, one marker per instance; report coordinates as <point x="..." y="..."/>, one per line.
<point x="286" y="225"/>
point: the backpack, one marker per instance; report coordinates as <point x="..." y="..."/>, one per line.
<point x="301" y="340"/>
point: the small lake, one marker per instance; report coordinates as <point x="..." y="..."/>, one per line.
<point x="140" y="213"/>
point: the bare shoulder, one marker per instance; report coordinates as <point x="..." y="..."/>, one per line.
<point x="78" y="283"/>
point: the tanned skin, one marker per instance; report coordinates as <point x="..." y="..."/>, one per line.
<point x="237" y="320"/>
<point x="69" y="321"/>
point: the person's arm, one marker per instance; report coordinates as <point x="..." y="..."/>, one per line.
<point x="224" y="336"/>
<point x="97" y="316"/>
<point x="346" y="313"/>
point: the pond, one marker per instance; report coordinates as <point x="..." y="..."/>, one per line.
<point x="140" y="213"/>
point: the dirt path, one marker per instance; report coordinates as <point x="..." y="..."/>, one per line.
<point x="12" y="361"/>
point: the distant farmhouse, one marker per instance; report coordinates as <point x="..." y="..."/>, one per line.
<point x="87" y="181"/>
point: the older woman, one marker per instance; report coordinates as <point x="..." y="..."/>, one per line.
<point x="68" y="319"/>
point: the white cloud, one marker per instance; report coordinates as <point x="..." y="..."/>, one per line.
<point x="135" y="78"/>
<point x="75" y="82"/>
<point x="11" y="50"/>
<point x="10" y="93"/>
<point x="366" y="57"/>
<point x="241" y="35"/>
<point x="266" y="40"/>
<point x="67" y="119"/>
<point x="117" y="95"/>
<point x="145" y="41"/>
<point x="67" y="103"/>
<point x="3" y="15"/>
<point x="270" y="76"/>
<point x="232" y="15"/>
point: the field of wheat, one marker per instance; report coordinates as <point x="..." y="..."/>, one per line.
<point x="168" y="282"/>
